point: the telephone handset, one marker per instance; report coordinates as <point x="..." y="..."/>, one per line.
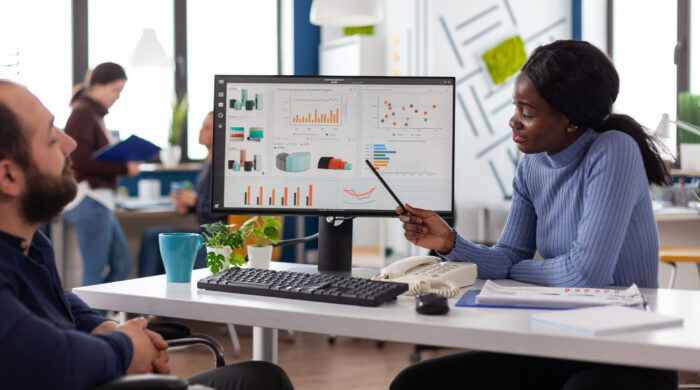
<point x="428" y="274"/>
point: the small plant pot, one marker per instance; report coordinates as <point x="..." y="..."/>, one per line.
<point x="170" y="156"/>
<point x="259" y="256"/>
<point x="226" y="252"/>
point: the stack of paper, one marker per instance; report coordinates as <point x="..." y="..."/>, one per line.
<point x="607" y="319"/>
<point x="557" y="297"/>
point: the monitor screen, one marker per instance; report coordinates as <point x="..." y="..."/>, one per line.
<point x="298" y="144"/>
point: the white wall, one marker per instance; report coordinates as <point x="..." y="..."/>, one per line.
<point x="447" y="37"/>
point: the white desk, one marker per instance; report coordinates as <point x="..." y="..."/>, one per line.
<point x="497" y="330"/>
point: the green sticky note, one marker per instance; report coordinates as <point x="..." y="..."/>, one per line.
<point x="505" y="59"/>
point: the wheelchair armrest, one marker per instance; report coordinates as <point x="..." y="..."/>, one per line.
<point x="203" y="340"/>
<point x="145" y="382"/>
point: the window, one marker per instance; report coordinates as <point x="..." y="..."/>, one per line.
<point x="33" y="51"/>
<point x="225" y="37"/>
<point x="114" y="28"/>
<point x="644" y="38"/>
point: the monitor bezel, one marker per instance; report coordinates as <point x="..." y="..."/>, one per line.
<point x="220" y="82"/>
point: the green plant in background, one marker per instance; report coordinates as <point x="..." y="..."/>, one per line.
<point x="505" y="59"/>
<point x="179" y="105"/>
<point x="264" y="230"/>
<point x="689" y="111"/>
<point x="358" y="30"/>
<point x="219" y="235"/>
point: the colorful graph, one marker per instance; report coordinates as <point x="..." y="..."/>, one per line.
<point x="379" y="155"/>
<point x="408" y="114"/>
<point x="355" y="195"/>
<point x="243" y="103"/>
<point x="286" y="196"/>
<point x="315" y="111"/>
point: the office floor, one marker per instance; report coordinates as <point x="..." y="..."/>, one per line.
<point x="309" y="359"/>
<point x="313" y="363"/>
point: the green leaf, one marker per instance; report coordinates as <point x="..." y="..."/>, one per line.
<point x="274" y="222"/>
<point x="272" y="233"/>
<point x="250" y="221"/>
<point x="237" y="259"/>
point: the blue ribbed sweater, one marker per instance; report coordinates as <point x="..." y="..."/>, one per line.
<point x="586" y="210"/>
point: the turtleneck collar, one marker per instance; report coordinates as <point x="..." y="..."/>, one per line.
<point x="573" y="151"/>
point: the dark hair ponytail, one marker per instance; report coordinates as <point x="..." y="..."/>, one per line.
<point x="648" y="145"/>
<point x="580" y="81"/>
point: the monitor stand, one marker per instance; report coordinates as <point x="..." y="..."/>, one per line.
<point x="335" y="250"/>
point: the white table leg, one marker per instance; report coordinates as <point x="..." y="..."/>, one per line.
<point x="265" y="344"/>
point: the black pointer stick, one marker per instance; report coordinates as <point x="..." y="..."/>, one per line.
<point x="393" y="195"/>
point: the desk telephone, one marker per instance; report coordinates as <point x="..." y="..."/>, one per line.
<point x="428" y="274"/>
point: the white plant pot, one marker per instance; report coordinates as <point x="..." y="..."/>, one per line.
<point x="226" y="251"/>
<point x="259" y="256"/>
<point x="170" y="156"/>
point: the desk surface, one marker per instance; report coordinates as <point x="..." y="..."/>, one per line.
<point x="667" y="214"/>
<point x="498" y="330"/>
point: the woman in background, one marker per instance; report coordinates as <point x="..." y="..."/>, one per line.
<point x="580" y="198"/>
<point x="185" y="201"/>
<point x="100" y="237"/>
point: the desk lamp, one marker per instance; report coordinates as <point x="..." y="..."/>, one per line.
<point x="690" y="153"/>
<point x="662" y="129"/>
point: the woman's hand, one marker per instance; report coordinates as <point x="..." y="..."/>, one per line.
<point x="133" y="168"/>
<point x="426" y="229"/>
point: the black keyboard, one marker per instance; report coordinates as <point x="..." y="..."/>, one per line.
<point x="298" y="285"/>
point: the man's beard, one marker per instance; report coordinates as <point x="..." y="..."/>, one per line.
<point x="46" y="195"/>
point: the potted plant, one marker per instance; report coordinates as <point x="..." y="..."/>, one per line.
<point x="264" y="232"/>
<point x="170" y="156"/>
<point x="220" y="242"/>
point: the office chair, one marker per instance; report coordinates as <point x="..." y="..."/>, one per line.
<point x="176" y="335"/>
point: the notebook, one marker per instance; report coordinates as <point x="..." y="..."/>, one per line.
<point x="607" y="320"/>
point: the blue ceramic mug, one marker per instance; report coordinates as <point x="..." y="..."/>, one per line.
<point x="179" y="251"/>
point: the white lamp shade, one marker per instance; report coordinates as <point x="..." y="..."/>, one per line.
<point x="662" y="128"/>
<point x="346" y="13"/>
<point x="149" y="52"/>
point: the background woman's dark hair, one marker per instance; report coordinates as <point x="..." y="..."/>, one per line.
<point x="106" y="73"/>
<point x="79" y="90"/>
<point x="579" y="81"/>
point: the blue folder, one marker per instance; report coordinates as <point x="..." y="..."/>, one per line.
<point x="131" y="149"/>
<point x="469" y="300"/>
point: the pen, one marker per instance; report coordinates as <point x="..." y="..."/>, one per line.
<point x="396" y="198"/>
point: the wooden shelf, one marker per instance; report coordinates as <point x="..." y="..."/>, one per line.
<point x="685" y="172"/>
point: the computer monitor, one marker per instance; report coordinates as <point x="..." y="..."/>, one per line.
<point x="297" y="145"/>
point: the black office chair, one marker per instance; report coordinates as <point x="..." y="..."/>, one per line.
<point x="176" y="335"/>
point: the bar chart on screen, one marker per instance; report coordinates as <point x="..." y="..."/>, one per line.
<point x="268" y="195"/>
<point x="316" y="111"/>
<point x="405" y="157"/>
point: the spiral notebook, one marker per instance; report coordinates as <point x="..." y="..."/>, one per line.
<point x="607" y="320"/>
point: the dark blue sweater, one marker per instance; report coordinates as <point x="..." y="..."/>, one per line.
<point x="44" y="331"/>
